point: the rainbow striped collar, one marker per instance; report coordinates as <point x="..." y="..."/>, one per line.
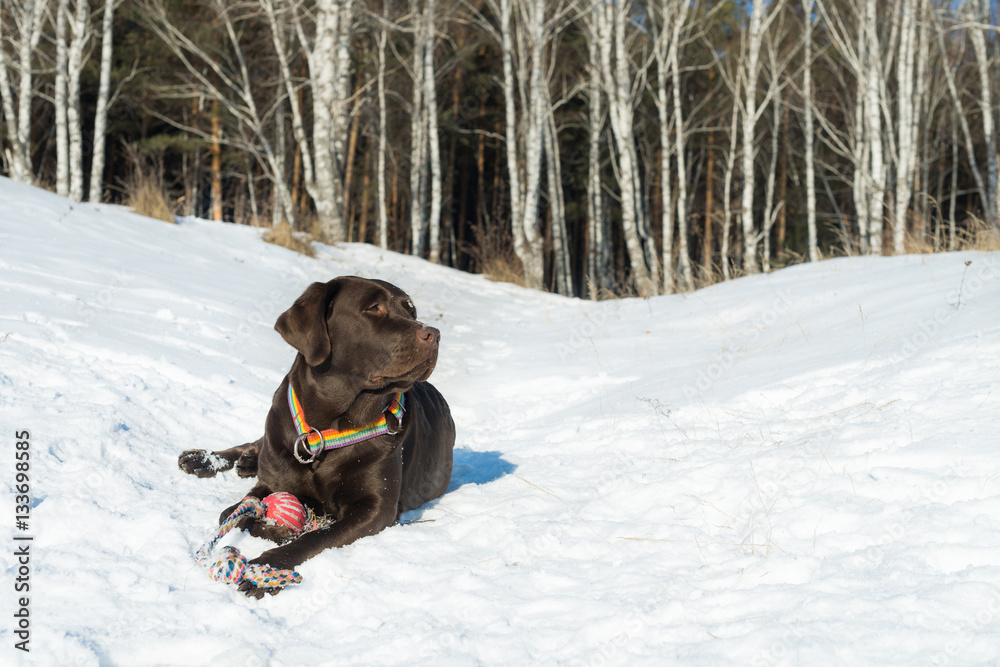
<point x="315" y="441"/>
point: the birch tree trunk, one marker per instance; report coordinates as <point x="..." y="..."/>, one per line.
<point x="963" y="123"/>
<point x="618" y="86"/>
<point x="754" y="41"/>
<point x="809" y="137"/>
<point x="280" y="38"/>
<point x="680" y="134"/>
<point x="980" y="24"/>
<point x="561" y="265"/>
<point x="326" y="53"/>
<point x="873" y="116"/>
<point x="383" y="214"/>
<point x="952" y="237"/>
<point x="81" y="33"/>
<point x="852" y="43"/>
<point x="921" y="130"/>
<point x="418" y="141"/>
<point x="103" y="97"/>
<point x="510" y="125"/>
<point x="859" y="162"/>
<point x="598" y="248"/>
<point x="59" y="99"/>
<point x="769" y="210"/>
<point x="905" y="126"/>
<point x="524" y="158"/>
<point x="215" y="148"/>
<point x="662" y="51"/>
<point x="341" y="116"/>
<point x="727" y="192"/>
<point x="430" y="103"/>
<point x="530" y="252"/>
<point x="27" y="16"/>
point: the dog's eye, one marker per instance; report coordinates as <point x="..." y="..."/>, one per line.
<point x="375" y="309"/>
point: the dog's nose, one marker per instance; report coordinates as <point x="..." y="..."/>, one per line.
<point x="428" y="335"/>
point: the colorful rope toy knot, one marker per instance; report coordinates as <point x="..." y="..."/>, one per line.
<point x="231" y="567"/>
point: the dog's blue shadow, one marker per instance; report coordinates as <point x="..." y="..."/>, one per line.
<point x="469" y="468"/>
<point x="477" y="468"/>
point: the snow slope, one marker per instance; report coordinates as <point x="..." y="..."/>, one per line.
<point x="795" y="468"/>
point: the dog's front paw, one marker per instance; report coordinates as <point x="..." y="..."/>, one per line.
<point x="279" y="559"/>
<point x="272" y="532"/>
<point x="246" y="465"/>
<point x="274" y="559"/>
<point x="201" y="463"/>
<point x="252" y="590"/>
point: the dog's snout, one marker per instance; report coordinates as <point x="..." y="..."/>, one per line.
<point x="428" y="335"/>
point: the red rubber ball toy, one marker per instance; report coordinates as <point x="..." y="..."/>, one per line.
<point x="285" y="509"/>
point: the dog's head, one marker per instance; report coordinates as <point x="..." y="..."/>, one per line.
<point x="361" y="330"/>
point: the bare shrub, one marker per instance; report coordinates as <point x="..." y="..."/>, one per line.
<point x="144" y="192"/>
<point x="283" y="235"/>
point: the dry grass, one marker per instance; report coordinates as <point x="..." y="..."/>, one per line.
<point x="287" y="237"/>
<point x="145" y="193"/>
<point x="917" y="245"/>
<point x="607" y="293"/>
<point x="971" y="234"/>
<point x="493" y="254"/>
<point x="503" y="270"/>
<point x="975" y="234"/>
<point x="146" y="197"/>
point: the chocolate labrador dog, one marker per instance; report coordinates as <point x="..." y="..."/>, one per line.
<point x="354" y="431"/>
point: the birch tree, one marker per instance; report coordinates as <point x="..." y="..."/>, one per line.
<point x="860" y="50"/>
<point x="873" y="115"/>
<point x="418" y="138"/>
<point x="960" y="115"/>
<point x="762" y="14"/>
<point x="327" y="48"/>
<point x="433" y="140"/>
<point x="810" y="158"/>
<point x="103" y="102"/>
<point x="561" y="268"/>
<point x="26" y="16"/>
<point x="672" y="16"/>
<point x="521" y="36"/>
<point x="383" y="213"/>
<point x="907" y="108"/>
<point x="425" y="147"/>
<point x="60" y="102"/>
<point x="598" y="241"/>
<point x="528" y="237"/>
<point x="779" y="66"/>
<point x="731" y="80"/>
<point x="770" y="211"/>
<point x="73" y="32"/>
<point x="321" y="31"/>
<point x="80" y="34"/>
<point x="223" y="76"/>
<point x="661" y="51"/>
<point x="978" y="17"/>
<point x="680" y="137"/>
<point x="622" y="93"/>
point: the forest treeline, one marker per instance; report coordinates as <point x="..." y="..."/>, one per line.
<point x="588" y="147"/>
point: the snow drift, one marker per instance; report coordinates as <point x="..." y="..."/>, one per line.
<point x="794" y="468"/>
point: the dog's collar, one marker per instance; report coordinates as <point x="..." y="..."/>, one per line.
<point x="315" y="441"/>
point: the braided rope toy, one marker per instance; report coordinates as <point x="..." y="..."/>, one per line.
<point x="231" y="566"/>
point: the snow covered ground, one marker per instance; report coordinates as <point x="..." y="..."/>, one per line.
<point x="797" y="468"/>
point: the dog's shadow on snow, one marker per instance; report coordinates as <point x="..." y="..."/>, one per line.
<point x="477" y="468"/>
<point x="469" y="467"/>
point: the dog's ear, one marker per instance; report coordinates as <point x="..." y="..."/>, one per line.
<point x="303" y="326"/>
